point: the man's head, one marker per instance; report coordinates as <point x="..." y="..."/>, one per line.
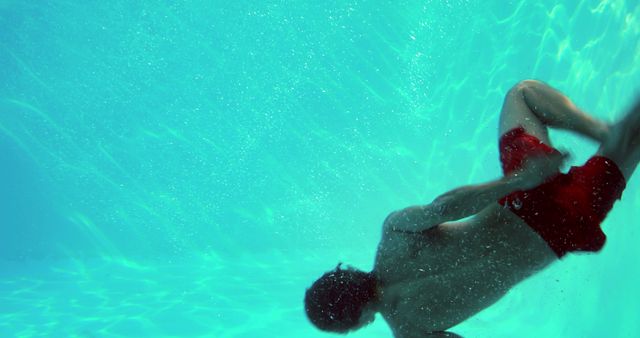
<point x="342" y="300"/>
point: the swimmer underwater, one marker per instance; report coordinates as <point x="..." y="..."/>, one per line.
<point x="431" y="273"/>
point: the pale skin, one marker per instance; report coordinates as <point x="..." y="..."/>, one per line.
<point x="434" y="271"/>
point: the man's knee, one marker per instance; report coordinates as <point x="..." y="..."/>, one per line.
<point x="517" y="91"/>
<point x="524" y="84"/>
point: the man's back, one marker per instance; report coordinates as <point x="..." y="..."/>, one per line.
<point x="433" y="280"/>
<point x="430" y="273"/>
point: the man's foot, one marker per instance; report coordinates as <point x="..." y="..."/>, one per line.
<point x="604" y="132"/>
<point x="623" y="142"/>
<point x="623" y="135"/>
<point x="617" y="138"/>
<point x="633" y="118"/>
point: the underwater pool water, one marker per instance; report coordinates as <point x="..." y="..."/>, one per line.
<point x="188" y="169"/>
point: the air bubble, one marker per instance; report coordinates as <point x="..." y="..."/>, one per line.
<point x="517" y="204"/>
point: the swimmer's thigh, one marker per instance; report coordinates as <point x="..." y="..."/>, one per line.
<point x="515" y="112"/>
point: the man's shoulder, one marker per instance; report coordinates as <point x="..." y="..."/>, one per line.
<point x="392" y="239"/>
<point x="388" y="221"/>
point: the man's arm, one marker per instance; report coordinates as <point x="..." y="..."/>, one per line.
<point x="469" y="200"/>
<point x="453" y="205"/>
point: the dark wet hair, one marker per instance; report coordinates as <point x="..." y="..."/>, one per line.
<point x="336" y="300"/>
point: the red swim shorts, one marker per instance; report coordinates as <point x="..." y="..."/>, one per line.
<point x="566" y="210"/>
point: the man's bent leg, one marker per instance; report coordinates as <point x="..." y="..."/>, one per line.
<point x="556" y="110"/>
<point x="516" y="113"/>
<point x="534" y="105"/>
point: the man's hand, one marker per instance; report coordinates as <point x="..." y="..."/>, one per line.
<point x="537" y="169"/>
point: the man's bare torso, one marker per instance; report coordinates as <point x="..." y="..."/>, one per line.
<point x="433" y="280"/>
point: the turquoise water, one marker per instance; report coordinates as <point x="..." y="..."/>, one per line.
<point x="187" y="169"/>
